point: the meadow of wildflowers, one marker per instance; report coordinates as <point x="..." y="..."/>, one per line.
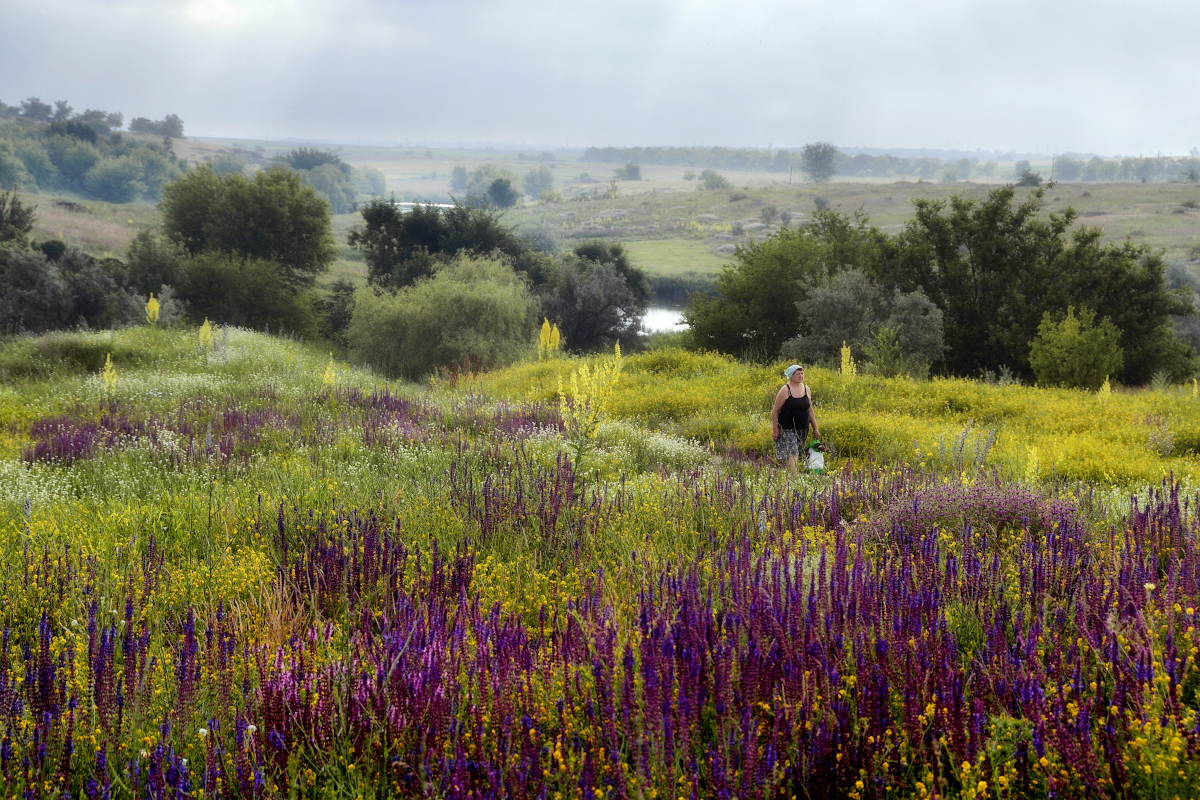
<point x="236" y="568"/>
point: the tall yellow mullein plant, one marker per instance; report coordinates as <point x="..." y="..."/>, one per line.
<point x="109" y="376"/>
<point x="152" y="308"/>
<point x="548" y="341"/>
<point x="849" y="369"/>
<point x="591" y="389"/>
<point x="206" y="338"/>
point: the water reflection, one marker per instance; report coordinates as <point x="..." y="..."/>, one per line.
<point x="660" y="318"/>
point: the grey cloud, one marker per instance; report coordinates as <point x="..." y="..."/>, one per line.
<point x="1098" y="76"/>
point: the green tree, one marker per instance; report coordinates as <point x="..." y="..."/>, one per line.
<point x="713" y="181"/>
<point x="250" y="292"/>
<point x="12" y="171"/>
<point x="115" y="180"/>
<point x="472" y="307"/>
<point x="502" y="193"/>
<point x="819" y="161"/>
<point x="1075" y="352"/>
<point x="227" y="164"/>
<point x="170" y="126"/>
<point x="374" y="181"/>
<point x="539" y="180"/>
<point x="458" y="178"/>
<point x="34" y="108"/>
<point x="593" y="305"/>
<point x="152" y="262"/>
<point x="16" y="220"/>
<point x="754" y="307"/>
<point x="995" y="266"/>
<point x="402" y="247"/>
<point x="599" y="252"/>
<point x="272" y="216"/>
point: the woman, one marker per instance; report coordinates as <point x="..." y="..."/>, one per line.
<point x="791" y="416"/>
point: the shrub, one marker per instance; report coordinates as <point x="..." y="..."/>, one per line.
<point x="152" y="261"/>
<point x="1075" y="352"/>
<point x="474" y="307"/>
<point x="712" y="181"/>
<point x="246" y="292"/>
<point x="115" y="180"/>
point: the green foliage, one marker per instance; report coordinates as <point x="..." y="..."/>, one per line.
<point x="373" y="180"/>
<point x="754" y="309"/>
<point x="476" y="307"/>
<point x="995" y="266"/>
<point x="39" y="294"/>
<point x="713" y="181"/>
<point x="152" y="262"/>
<point x="1029" y="178"/>
<point x="402" y="247"/>
<point x="539" y="180"/>
<point x="12" y="170"/>
<point x="1075" y="352"/>
<point x="884" y="357"/>
<point x="271" y="217"/>
<point x="593" y="305"/>
<point x="339" y="308"/>
<point x="170" y="126"/>
<point x="502" y="193"/>
<point x="333" y="178"/>
<point x="458" y="178"/>
<point x="16" y="220"/>
<point x="82" y="155"/>
<point x="629" y="172"/>
<point x="228" y="164"/>
<point x="115" y="180"/>
<point x="600" y="252"/>
<point x="842" y="308"/>
<point x="818" y="161"/>
<point x="249" y="292"/>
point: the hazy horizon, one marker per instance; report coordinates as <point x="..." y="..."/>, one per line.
<point x="1029" y="77"/>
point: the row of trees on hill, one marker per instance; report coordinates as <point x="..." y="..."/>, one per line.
<point x="82" y="155"/>
<point x="965" y="286"/>
<point x="32" y="109"/>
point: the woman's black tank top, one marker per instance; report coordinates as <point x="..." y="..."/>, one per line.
<point x="794" y="413"/>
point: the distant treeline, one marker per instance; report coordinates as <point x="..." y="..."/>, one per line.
<point x="734" y="158"/>
<point x="1066" y="168"/>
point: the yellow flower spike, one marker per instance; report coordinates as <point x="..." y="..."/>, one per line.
<point x="109" y="377"/>
<point x="206" y="336"/>
<point x="849" y="370"/>
<point x="330" y="378"/>
<point x="152" y="308"/>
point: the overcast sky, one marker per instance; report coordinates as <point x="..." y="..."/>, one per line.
<point x="1095" y="76"/>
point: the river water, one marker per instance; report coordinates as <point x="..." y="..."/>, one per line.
<point x="660" y="318"/>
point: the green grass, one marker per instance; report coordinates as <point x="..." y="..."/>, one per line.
<point x="676" y="257"/>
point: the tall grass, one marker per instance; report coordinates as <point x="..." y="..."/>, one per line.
<point x="238" y="572"/>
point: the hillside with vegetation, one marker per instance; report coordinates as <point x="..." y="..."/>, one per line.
<point x="239" y="567"/>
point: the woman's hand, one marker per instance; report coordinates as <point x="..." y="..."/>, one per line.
<point x="775" y="435"/>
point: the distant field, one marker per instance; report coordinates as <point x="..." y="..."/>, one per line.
<point x="669" y="225"/>
<point x="675" y="256"/>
